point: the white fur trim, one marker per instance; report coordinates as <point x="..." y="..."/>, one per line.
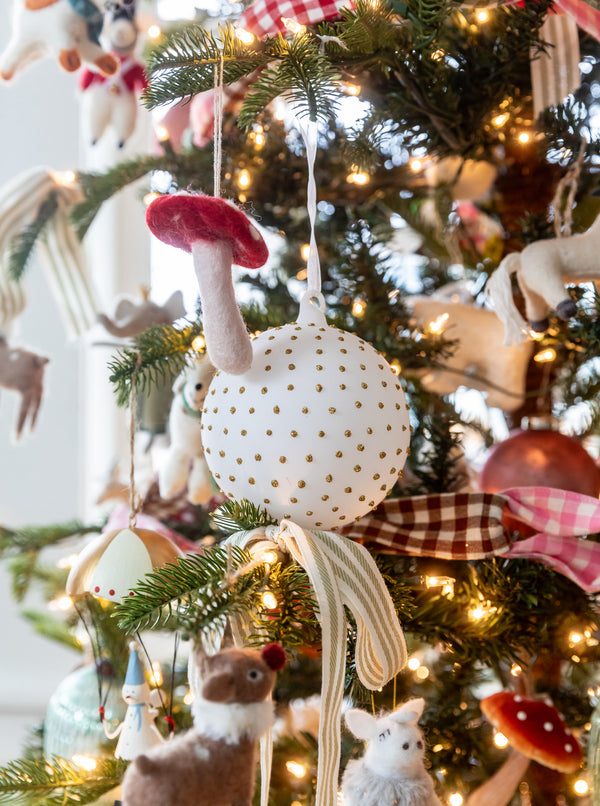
<point x="232" y="721"/>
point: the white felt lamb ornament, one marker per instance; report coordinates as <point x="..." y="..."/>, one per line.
<point x="542" y="269"/>
<point x="67" y="29"/>
<point x="391" y="772"/>
<point x="185" y="463"/>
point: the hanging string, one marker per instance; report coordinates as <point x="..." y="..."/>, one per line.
<point x="218" y="127"/>
<point x="310" y="135"/>
<point x="96" y="655"/>
<point x="134" y="500"/>
<point x="169" y="718"/>
<point x="563" y="220"/>
<point x="156" y="688"/>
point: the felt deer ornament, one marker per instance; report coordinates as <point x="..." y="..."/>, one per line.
<point x="213" y="764"/>
<point x="542" y="269"/>
<point x="132" y="317"/>
<point x="68" y="29"/>
<point x="23" y="372"/>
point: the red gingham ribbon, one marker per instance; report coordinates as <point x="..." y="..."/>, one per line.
<point x="468" y="526"/>
<point x="264" y="17"/>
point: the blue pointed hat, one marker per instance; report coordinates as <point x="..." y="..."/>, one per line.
<point x="135" y="672"/>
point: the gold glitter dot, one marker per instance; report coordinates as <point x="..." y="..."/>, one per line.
<point x="264" y="390"/>
<point x="342" y="518"/>
<point x="204" y="410"/>
<point x="268" y="352"/>
<point x="329" y="478"/>
<point x="271" y="338"/>
<point x="369" y="430"/>
<point x="309" y="458"/>
<point x="324" y="498"/>
<point x="282" y="459"/>
<point x="340" y="338"/>
<point x="257" y="457"/>
<point x="384" y="384"/>
<point x="347" y="433"/>
<point x="358" y="404"/>
<point x="357" y="468"/>
<point x="293" y="338"/>
<point x="342" y="386"/>
<point x="210" y="427"/>
<point x="239" y="460"/>
<point x="318" y="337"/>
<point x="388" y="427"/>
<point x="321" y="434"/>
<point x="207" y="450"/>
<point x="226" y="430"/>
<point x="215" y="410"/>
<point x="221" y="453"/>
<point x="334" y="509"/>
<point x="332" y="410"/>
<point x="291" y="366"/>
<point x="392" y="471"/>
<point x="319" y="351"/>
<point x="274" y="483"/>
<point x="251" y="480"/>
<point x="347" y="489"/>
<point x="371" y="503"/>
<point x="232" y="410"/>
<point x="382" y="454"/>
<point x="213" y="392"/>
<point x="343" y="350"/>
<point x="360" y="447"/>
<point x="251" y="410"/>
<point x="231" y="478"/>
<point x="380" y="404"/>
<point x="342" y="368"/>
<point x="268" y="368"/>
<point x="361" y="498"/>
<point x="364" y="385"/>
<point x="309" y="512"/>
<point x="243" y="432"/>
<point x="376" y="476"/>
<point x="362" y="366"/>
<point x="380" y="366"/>
<point x="242" y="390"/>
<point x="318" y="523"/>
<point x="301" y="484"/>
<point x="225" y="390"/>
<point x="287" y="515"/>
<point x="397" y="406"/>
<point x="297" y="328"/>
<point x="319" y="388"/>
<point x="383" y="487"/>
<point x="266" y="500"/>
<point x="361" y="348"/>
<point x="276" y="409"/>
<point x="293" y="500"/>
<point x="319" y="367"/>
<point x="322" y="329"/>
<point x="290" y="387"/>
<point x="288" y="351"/>
<point x="304" y="410"/>
<point x="217" y="475"/>
<point x="339" y="454"/>
<point x="293" y="433"/>
<point x="268" y="432"/>
<point x="398" y="451"/>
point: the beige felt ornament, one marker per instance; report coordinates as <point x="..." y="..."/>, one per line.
<point x="479" y="360"/>
<point x="23" y="371"/>
<point x="67" y="29"/>
<point x="132" y="317"/>
<point x="213" y="764"/>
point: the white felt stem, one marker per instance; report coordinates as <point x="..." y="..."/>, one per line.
<point x="227" y="340"/>
<point x="499" y="789"/>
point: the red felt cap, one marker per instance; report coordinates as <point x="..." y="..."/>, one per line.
<point x="181" y="219"/>
<point x="274" y="656"/>
<point x="534" y="729"/>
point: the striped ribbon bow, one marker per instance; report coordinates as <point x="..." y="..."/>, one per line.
<point x="468" y="526"/>
<point x="342" y="573"/>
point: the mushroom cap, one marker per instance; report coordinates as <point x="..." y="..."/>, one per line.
<point x="535" y="729"/>
<point x="182" y="219"/>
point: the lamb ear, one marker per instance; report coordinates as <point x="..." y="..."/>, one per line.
<point x="361" y="723"/>
<point x="409" y="711"/>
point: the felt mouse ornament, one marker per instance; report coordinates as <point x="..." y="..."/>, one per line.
<point x="68" y="29"/>
<point x="213" y="764"/>
<point x="132" y="317"/>
<point x="23" y="372"/>
<point x="217" y="234"/>
<point x="185" y="463"/>
<point x="113" y="100"/>
<point x="391" y="772"/>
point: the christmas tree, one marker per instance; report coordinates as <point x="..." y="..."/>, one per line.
<point x="455" y="161"/>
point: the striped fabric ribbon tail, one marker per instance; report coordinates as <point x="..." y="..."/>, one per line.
<point x="555" y="74"/>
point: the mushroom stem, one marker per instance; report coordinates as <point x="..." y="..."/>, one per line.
<point x="499" y="789"/>
<point x="227" y="340"/>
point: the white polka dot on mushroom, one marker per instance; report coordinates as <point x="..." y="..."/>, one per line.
<point x="518" y="698"/>
<point x="521" y="715"/>
<point x="548" y="726"/>
<point x="569" y="748"/>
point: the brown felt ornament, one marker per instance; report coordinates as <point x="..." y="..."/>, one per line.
<point x="23" y="371"/>
<point x="213" y="764"/>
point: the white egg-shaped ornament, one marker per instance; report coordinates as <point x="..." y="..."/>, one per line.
<point x="316" y="431"/>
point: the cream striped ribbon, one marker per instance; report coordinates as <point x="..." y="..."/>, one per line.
<point x="342" y="573"/>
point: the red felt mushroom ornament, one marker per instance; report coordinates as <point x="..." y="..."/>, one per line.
<point x="536" y="732"/>
<point x="217" y="234"/>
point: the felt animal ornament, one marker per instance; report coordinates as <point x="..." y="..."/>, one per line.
<point x="542" y="268"/>
<point x="185" y="463"/>
<point x="213" y="764"/>
<point x="114" y="99"/>
<point x="218" y="234"/>
<point x="479" y="359"/>
<point x="138" y="732"/>
<point x="391" y="772"/>
<point x="132" y="317"/>
<point x="68" y="29"/>
<point x="535" y="732"/>
<point x="23" y="372"/>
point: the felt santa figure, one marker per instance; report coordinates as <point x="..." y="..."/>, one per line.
<point x="137" y="733"/>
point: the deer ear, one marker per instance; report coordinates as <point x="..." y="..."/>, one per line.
<point x="409" y="711"/>
<point x="361" y="723"/>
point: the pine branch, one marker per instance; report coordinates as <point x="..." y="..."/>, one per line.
<point x="35" y="538"/>
<point x="53" y="628"/>
<point x="57" y="782"/>
<point x="163" y="350"/>
<point x="22" y="246"/>
<point x="240" y="516"/>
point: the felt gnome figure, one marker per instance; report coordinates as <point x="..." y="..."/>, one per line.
<point x="137" y="733"/>
<point x="113" y="99"/>
<point x="67" y="29"/>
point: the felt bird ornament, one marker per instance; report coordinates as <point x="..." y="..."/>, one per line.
<point x="23" y="371"/>
<point x="113" y="100"/>
<point x="542" y="269"/>
<point x="218" y="234"/>
<point x="392" y="771"/>
<point x="132" y="317"/>
<point x="213" y="764"/>
<point x="68" y="29"/>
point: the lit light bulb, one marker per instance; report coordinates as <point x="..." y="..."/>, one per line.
<point x="162" y="134"/>
<point x="437" y="326"/>
<point x="62" y="603"/>
<point x="67" y="562"/>
<point x="269" y="600"/>
<point x="259" y="139"/>
<point x="296" y="769"/>
<point x="413" y="664"/>
<point x="543" y="356"/>
<point x="188" y="698"/>
<point x="415" y="164"/>
<point x="156" y="675"/>
<point x="437" y="55"/>
<point x="456" y="799"/>
<point x="199" y="344"/>
<point x="64" y="178"/>
<point x="515" y="670"/>
<point x="244" y="180"/>
<point x="575" y="637"/>
<point x="305" y="251"/>
<point x="359" y="306"/>
<point x="302" y="275"/>
<point x="396" y="367"/>
<point x="84" y="762"/>
<point x="244" y="36"/>
<point x="293" y="26"/>
<point x="149" y="198"/>
<point x="482" y="15"/>
<point x="581" y="786"/>
<point x="500" y="119"/>
<point x="524" y="137"/>
<point x="500" y="740"/>
<point x="481" y="610"/>
<point x="356" y="177"/>
<point x="353" y="89"/>
<point x="422" y="672"/>
<point x="154" y="32"/>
